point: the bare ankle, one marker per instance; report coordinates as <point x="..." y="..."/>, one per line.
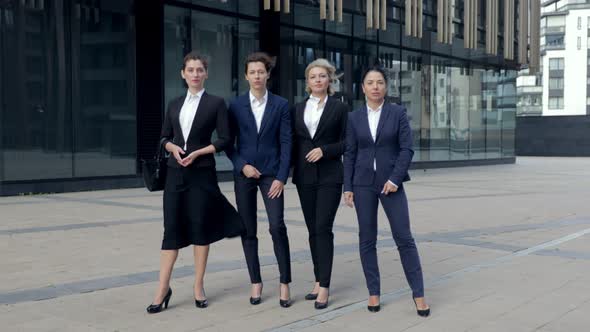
<point x="374" y="300"/>
<point x="323" y="294"/>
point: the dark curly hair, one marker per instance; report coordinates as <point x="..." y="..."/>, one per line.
<point x="259" y="57"/>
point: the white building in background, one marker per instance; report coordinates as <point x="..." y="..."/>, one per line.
<point x="565" y="57"/>
<point x="529" y="92"/>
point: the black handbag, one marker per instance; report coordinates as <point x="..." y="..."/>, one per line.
<point x="154" y="170"/>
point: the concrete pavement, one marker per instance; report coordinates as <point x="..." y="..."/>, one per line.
<point x="503" y="248"/>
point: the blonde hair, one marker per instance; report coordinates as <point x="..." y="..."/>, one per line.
<point x="322" y="63"/>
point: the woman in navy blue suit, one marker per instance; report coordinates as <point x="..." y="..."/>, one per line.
<point x="261" y="123"/>
<point x="377" y="156"/>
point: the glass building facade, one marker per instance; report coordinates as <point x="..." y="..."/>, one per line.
<point x="84" y="83"/>
<point x="68" y="90"/>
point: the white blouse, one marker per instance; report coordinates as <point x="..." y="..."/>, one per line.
<point x="313" y="113"/>
<point x="188" y="112"/>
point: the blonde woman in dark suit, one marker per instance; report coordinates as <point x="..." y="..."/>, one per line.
<point x="195" y="211"/>
<point x="319" y="128"/>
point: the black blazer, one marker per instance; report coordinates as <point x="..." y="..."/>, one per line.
<point x="211" y="115"/>
<point x="330" y="137"/>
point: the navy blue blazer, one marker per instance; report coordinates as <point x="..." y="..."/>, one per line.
<point x="270" y="150"/>
<point x="392" y="148"/>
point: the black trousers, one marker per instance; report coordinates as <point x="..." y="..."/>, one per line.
<point x="246" y="199"/>
<point x="319" y="204"/>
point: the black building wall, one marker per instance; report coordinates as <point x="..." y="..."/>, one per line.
<point x="564" y="136"/>
<point x="149" y="25"/>
<point x="68" y="113"/>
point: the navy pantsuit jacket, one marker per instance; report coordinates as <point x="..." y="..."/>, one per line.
<point x="392" y="149"/>
<point x="268" y="150"/>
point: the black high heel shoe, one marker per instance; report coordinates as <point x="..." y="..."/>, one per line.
<point x="202" y="303"/>
<point x="422" y="312"/>
<point x="155" y="308"/>
<point x="284" y="303"/>
<point x="257" y="300"/>
<point x="311" y="296"/>
<point x="374" y="308"/>
<point x="321" y="305"/>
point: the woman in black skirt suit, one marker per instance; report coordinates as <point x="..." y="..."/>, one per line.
<point x="195" y="211"/>
<point x="319" y="128"/>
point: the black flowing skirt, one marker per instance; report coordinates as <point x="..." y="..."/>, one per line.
<point x="195" y="210"/>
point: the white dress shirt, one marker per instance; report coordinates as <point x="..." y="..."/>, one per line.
<point x="313" y="113"/>
<point x="187" y="113"/>
<point x="374" y="116"/>
<point x="258" y="106"/>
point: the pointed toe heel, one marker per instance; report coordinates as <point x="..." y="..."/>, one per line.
<point x="257" y="300"/>
<point x="311" y="297"/>
<point x="285" y="303"/>
<point x="374" y="308"/>
<point x="202" y="304"/>
<point x="320" y="305"/>
<point x="155" y="308"/>
<point x="422" y="312"/>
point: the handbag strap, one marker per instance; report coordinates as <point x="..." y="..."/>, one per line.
<point x="159" y="154"/>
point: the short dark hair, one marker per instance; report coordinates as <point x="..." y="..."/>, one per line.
<point x="376" y="68"/>
<point x="259" y="57"/>
<point x="194" y="55"/>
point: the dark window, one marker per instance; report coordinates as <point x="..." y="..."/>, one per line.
<point x="555" y="40"/>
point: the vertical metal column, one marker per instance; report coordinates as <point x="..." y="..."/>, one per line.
<point x="535" y="37"/>
<point x="523" y="30"/>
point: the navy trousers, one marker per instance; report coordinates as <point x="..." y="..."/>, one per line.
<point x="246" y="193"/>
<point x="366" y="200"/>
